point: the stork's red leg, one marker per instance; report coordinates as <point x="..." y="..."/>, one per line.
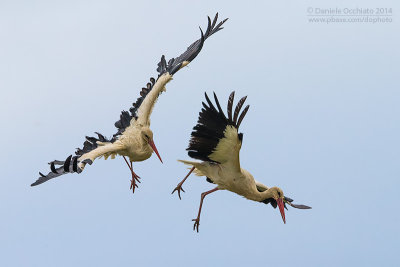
<point x="197" y="220"/>
<point x="135" y="177"/>
<point x="179" y="186"/>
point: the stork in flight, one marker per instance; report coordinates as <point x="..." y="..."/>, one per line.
<point x="215" y="141"/>
<point x="133" y="139"/>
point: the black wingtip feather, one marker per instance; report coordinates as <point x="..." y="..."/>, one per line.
<point x="230" y="104"/>
<point x="209" y="25"/>
<point x="238" y="108"/>
<point x="75" y="164"/>
<point x="214" y="20"/>
<point x="194" y="49"/>
<point x="202" y="39"/>
<point x="67" y="162"/>
<point x="53" y="168"/>
<point x="218" y="105"/>
<point x="70" y="165"/>
<point x="241" y="117"/>
<point x="210" y="104"/>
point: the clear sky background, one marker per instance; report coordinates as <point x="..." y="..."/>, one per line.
<point x="323" y="125"/>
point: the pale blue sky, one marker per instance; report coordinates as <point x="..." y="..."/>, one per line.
<point x="323" y="125"/>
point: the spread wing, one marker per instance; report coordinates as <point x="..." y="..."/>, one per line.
<point x="92" y="148"/>
<point x="141" y="110"/>
<point x="215" y="138"/>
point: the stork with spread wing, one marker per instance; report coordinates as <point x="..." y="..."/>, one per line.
<point x="134" y="139"/>
<point x="216" y="141"/>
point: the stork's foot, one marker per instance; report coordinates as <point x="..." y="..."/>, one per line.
<point x="134" y="181"/>
<point x="196" y="224"/>
<point x="178" y="188"/>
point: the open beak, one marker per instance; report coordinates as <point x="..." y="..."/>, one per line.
<point x="281" y="208"/>
<point x="153" y="146"/>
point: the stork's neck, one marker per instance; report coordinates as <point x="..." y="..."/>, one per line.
<point x="266" y="194"/>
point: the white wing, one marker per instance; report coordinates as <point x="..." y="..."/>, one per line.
<point x="144" y="111"/>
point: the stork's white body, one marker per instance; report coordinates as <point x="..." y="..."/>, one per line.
<point x="228" y="174"/>
<point x="131" y="143"/>
<point x="240" y="182"/>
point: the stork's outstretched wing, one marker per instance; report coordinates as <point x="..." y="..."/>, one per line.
<point x="141" y="110"/>
<point x="92" y="148"/>
<point x="215" y="138"/>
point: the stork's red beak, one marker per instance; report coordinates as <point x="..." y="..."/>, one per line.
<point x="153" y="146"/>
<point x="281" y="208"/>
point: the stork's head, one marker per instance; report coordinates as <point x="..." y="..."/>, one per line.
<point x="276" y="198"/>
<point x="147" y="136"/>
<point x="277" y="195"/>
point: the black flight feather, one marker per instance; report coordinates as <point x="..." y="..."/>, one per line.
<point x="53" y="168"/>
<point x="66" y="163"/>
<point x="194" y="49"/>
<point x="237" y="109"/>
<point x="75" y="164"/>
<point x="230" y="104"/>
<point x="211" y="126"/>
<point x="242" y="115"/>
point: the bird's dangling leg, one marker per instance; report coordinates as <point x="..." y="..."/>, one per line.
<point x="179" y="186"/>
<point x="135" y="177"/>
<point x="197" y="220"/>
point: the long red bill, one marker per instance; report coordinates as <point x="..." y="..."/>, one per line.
<point x="281" y="208"/>
<point x="153" y="146"/>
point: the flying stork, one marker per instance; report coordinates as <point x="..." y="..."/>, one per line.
<point x="215" y="141"/>
<point x="134" y="139"/>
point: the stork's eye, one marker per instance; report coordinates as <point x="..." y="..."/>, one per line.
<point x="279" y="194"/>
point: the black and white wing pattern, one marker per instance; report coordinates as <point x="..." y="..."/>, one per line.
<point x="139" y="113"/>
<point x="215" y="138"/>
<point x="141" y="110"/>
<point x="174" y="64"/>
<point x="93" y="147"/>
<point x="143" y="107"/>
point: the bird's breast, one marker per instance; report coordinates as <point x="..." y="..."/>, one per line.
<point x="135" y="147"/>
<point x="142" y="154"/>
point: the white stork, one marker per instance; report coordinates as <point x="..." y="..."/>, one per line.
<point x="134" y="139"/>
<point x="216" y="142"/>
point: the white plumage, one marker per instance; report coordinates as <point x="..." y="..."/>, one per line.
<point x="216" y="141"/>
<point x="134" y="139"/>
